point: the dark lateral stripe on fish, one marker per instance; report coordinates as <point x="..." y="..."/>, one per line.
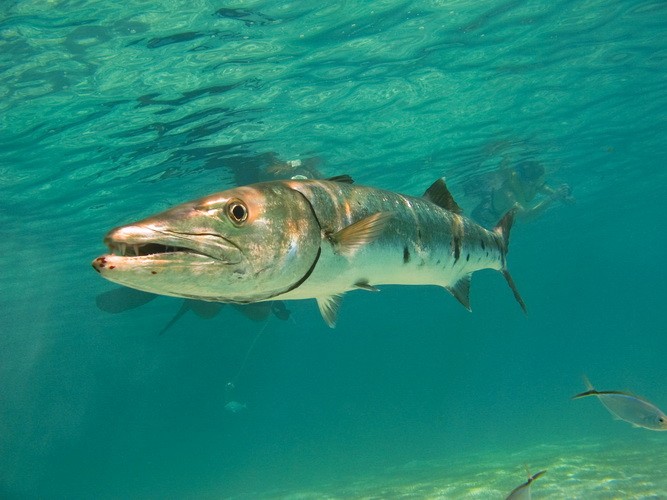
<point x="593" y="392"/>
<point x="457" y="237"/>
<point x="536" y="475"/>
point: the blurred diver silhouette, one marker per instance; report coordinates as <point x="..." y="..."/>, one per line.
<point x="521" y="186"/>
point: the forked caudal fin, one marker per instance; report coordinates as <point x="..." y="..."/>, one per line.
<point x="503" y="230"/>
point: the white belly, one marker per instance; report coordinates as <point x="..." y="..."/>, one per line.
<point x="385" y="265"/>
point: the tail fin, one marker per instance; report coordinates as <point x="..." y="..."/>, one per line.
<point x="502" y="229"/>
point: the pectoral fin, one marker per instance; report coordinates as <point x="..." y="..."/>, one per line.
<point x="185" y="307"/>
<point x="349" y="239"/>
<point x="329" y="308"/>
<point x="205" y="310"/>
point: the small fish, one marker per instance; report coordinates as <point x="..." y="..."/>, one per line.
<point x="522" y="492"/>
<point x="301" y="239"/>
<point x="235" y="407"/>
<point x="628" y="407"/>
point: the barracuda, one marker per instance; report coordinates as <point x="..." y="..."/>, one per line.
<point x="303" y="239"/>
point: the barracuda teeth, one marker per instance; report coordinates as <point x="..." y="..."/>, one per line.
<point x="136" y="249"/>
<point x="122" y="248"/>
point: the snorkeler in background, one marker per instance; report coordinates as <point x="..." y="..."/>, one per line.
<point x="522" y="186"/>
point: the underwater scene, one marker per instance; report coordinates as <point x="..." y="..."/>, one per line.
<point x="333" y="250"/>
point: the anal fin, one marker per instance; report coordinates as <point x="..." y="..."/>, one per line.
<point x="461" y="291"/>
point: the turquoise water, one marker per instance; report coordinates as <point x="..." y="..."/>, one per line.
<point x="112" y="111"/>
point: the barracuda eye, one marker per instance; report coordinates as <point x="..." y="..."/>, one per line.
<point x="237" y="211"/>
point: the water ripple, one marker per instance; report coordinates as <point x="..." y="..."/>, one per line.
<point x="421" y="77"/>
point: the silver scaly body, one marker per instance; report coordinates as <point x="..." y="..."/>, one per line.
<point x="300" y="239"/>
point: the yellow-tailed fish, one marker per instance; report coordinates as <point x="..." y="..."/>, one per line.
<point x="301" y="239"/>
<point x="625" y="406"/>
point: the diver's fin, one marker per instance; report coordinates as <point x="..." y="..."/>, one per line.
<point x="279" y="310"/>
<point x="365" y="285"/>
<point x="185" y="307"/>
<point x="329" y="308"/>
<point x="205" y="310"/>
<point x="461" y="291"/>
<point x="349" y="239"/>
<point x="440" y="195"/>
<point x="122" y="299"/>
<point x="256" y="311"/>
<point x="502" y="229"/>
<point x="345" y="179"/>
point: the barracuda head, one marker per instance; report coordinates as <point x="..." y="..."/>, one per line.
<point x="246" y="244"/>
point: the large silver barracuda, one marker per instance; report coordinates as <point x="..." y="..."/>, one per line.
<point x="303" y="239"/>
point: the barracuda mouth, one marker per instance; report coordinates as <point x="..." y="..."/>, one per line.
<point x="148" y="249"/>
<point x="139" y="245"/>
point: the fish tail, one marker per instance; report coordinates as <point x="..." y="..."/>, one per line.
<point x="502" y="229"/>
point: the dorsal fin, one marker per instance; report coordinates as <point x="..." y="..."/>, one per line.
<point x="344" y="179"/>
<point x="205" y="310"/>
<point x="440" y="195"/>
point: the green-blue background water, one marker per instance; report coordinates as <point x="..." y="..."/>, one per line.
<point x="110" y="111"/>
